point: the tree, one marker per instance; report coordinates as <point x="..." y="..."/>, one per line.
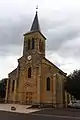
<point x="72" y="84"/>
<point x="3" y="84"/>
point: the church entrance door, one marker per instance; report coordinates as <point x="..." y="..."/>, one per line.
<point x="29" y="97"/>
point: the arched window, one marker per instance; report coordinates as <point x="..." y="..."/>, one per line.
<point x="48" y="84"/>
<point x="25" y="45"/>
<point x="29" y="72"/>
<point x="28" y="44"/>
<point x="33" y="43"/>
<point x="41" y="45"/>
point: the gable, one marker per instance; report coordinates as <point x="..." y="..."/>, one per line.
<point x="48" y="63"/>
<point x="12" y="75"/>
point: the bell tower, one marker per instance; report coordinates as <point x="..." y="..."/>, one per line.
<point x="34" y="40"/>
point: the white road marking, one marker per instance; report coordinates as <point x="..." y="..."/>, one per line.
<point x="68" y="117"/>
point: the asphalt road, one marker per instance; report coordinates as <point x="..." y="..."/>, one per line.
<point x="48" y="114"/>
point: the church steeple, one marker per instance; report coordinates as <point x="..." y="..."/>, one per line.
<point x="34" y="40"/>
<point x="35" y="25"/>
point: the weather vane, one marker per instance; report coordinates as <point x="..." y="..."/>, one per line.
<point x="36" y="8"/>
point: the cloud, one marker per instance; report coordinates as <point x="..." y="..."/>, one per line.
<point x="11" y="35"/>
<point x="71" y="49"/>
<point x="59" y="21"/>
<point x="59" y="28"/>
<point x="7" y="64"/>
<point x="65" y="30"/>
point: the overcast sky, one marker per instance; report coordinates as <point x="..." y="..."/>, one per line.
<point x="59" y="21"/>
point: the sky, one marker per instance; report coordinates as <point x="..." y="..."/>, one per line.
<point x="59" y="22"/>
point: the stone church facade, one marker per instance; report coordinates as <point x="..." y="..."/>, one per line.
<point x="36" y="80"/>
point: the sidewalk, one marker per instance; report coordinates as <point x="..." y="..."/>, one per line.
<point x="19" y="108"/>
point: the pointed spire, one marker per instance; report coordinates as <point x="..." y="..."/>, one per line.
<point x="35" y="25"/>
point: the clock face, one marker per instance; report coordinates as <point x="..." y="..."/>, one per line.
<point x="29" y="57"/>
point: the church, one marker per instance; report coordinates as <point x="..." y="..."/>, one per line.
<point x="36" y="80"/>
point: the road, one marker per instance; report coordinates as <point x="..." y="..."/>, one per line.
<point x="48" y="114"/>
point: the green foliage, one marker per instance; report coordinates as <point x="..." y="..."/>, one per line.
<point x="3" y="84"/>
<point x="72" y="84"/>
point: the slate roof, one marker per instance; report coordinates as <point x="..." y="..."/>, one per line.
<point x="35" y="25"/>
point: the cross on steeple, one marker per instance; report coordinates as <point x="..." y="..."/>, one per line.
<point x="36" y="8"/>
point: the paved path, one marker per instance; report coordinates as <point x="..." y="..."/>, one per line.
<point x="19" y="108"/>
